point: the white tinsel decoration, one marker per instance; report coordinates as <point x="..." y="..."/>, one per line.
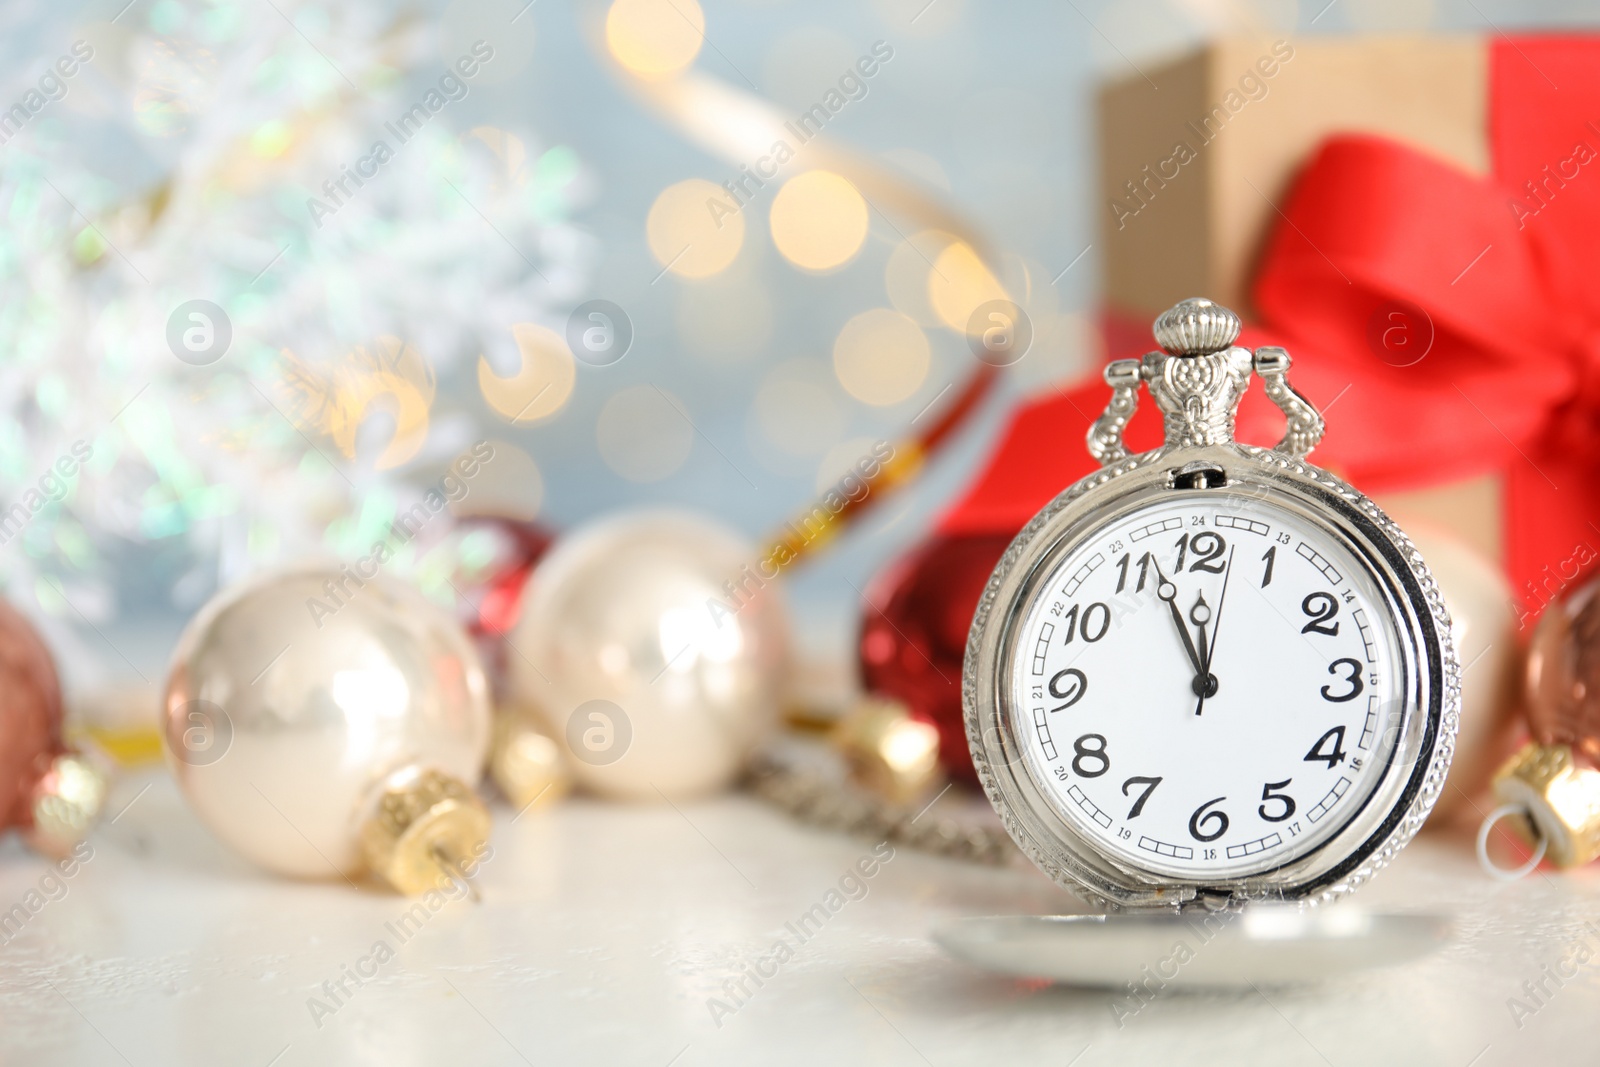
<point x="202" y="159"/>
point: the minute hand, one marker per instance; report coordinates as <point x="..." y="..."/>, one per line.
<point x="1169" y="592"/>
<point x="1216" y="627"/>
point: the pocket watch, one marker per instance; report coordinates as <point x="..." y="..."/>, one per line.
<point x="1211" y="673"/>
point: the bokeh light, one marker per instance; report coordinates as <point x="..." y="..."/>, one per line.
<point x="796" y="408"/>
<point x="385" y="377"/>
<point x="644" y="434"/>
<point x="508" y="486"/>
<point x="819" y="220"/>
<point x="655" y="38"/>
<point x="688" y="235"/>
<point x="881" y="357"/>
<point x="542" y="383"/>
<point x="960" y="282"/>
<point x="906" y="274"/>
<point x="725" y="319"/>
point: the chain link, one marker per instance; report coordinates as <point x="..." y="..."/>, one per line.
<point x="817" y="799"/>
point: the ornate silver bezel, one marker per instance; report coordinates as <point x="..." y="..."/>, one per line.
<point x="1427" y="720"/>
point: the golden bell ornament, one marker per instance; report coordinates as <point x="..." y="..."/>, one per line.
<point x="66" y="802"/>
<point x="526" y="763"/>
<point x="888" y="751"/>
<point x="1559" y="802"/>
<point x="323" y="722"/>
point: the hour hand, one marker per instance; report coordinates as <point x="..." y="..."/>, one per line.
<point x="1169" y="592"/>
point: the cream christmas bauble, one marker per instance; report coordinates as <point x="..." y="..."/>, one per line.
<point x="655" y="645"/>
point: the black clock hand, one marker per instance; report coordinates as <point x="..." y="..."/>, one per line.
<point x="1200" y="615"/>
<point x="1169" y="592"/>
<point x="1209" y="686"/>
<point x="1205" y="683"/>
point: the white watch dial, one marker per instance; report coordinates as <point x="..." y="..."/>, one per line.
<point x="1205" y="689"/>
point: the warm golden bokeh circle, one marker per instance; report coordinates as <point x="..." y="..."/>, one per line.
<point x="508" y="486"/>
<point x="727" y="319"/>
<point x="881" y="357"/>
<point x="958" y="283"/>
<point x="796" y="409"/>
<point x="655" y="38"/>
<point x="687" y="236"/>
<point x="386" y="375"/>
<point x="906" y="274"/>
<point x="819" y="220"/>
<point x="643" y="433"/>
<point x="541" y="385"/>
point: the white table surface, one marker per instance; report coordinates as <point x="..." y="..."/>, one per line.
<point x="605" y="930"/>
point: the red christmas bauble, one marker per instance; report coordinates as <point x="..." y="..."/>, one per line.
<point x="914" y="636"/>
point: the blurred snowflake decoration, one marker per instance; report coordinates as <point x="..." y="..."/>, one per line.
<point x="245" y="257"/>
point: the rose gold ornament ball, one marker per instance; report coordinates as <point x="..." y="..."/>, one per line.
<point x="49" y="793"/>
<point x="30" y="716"/>
<point x="1563" y="676"/>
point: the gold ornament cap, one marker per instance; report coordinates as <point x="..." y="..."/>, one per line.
<point x="426" y="826"/>
<point x="1560" y="798"/>
<point x="526" y="763"/>
<point x="889" y="752"/>
<point x="65" y="804"/>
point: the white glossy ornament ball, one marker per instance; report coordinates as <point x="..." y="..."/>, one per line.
<point x="655" y="651"/>
<point x="297" y="699"/>
<point x="1483" y="625"/>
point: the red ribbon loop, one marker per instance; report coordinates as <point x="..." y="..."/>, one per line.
<point x="1408" y="295"/>
<point x="1448" y="323"/>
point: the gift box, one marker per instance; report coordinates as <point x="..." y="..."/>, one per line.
<point x="1416" y="221"/>
<point x="1243" y="117"/>
<point x="1196" y="156"/>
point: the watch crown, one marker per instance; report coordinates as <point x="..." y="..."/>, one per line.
<point x="1196" y="326"/>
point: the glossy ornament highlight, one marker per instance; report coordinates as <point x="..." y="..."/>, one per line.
<point x="323" y="723"/>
